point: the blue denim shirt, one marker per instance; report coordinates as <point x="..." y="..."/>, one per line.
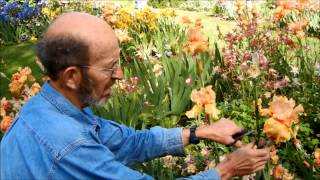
<point x="52" y="139"/>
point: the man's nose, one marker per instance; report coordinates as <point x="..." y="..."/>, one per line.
<point x="118" y="73"/>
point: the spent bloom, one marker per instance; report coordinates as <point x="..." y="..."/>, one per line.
<point x="157" y="69"/>
<point x="283" y="114"/>
<point x="168" y="161"/>
<point x="5" y="106"/>
<point x="123" y="36"/>
<point x="282" y="83"/>
<point x="294" y="70"/>
<point x="129" y="86"/>
<point x="204" y="97"/>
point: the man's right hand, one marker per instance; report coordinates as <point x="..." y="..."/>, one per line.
<point x="245" y="160"/>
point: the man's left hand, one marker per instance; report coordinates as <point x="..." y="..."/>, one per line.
<point x="220" y="132"/>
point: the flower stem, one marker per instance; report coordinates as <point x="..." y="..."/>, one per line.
<point x="256" y="112"/>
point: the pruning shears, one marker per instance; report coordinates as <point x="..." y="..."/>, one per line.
<point x="239" y="135"/>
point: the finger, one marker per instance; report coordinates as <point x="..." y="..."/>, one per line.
<point x="260" y="168"/>
<point x="237" y="129"/>
<point x="268" y="148"/>
<point x="223" y="119"/>
<point x="261" y="152"/>
<point x="249" y="146"/>
<point x="239" y="144"/>
<point x="263" y="159"/>
<point x="260" y="163"/>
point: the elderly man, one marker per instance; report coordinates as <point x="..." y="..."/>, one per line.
<point x="56" y="135"/>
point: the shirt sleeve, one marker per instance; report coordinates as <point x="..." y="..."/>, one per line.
<point x="131" y="146"/>
<point x="92" y="161"/>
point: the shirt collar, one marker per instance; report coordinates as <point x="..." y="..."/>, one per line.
<point x="66" y="107"/>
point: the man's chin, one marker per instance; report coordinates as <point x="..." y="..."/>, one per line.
<point x="100" y="103"/>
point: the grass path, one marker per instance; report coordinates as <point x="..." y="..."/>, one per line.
<point x="210" y="24"/>
<point x="13" y="56"/>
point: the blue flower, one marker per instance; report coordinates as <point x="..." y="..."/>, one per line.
<point x="19" y="15"/>
<point x="36" y="10"/>
<point x="25" y="5"/>
<point x="7" y="18"/>
<point x="29" y="12"/>
<point x="5" y="11"/>
<point x="23" y="15"/>
<point x="3" y="3"/>
<point x="15" y="20"/>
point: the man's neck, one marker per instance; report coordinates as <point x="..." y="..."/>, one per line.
<point x="67" y="93"/>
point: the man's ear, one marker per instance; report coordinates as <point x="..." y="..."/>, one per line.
<point x="71" y="77"/>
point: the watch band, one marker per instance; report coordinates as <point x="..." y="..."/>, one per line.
<point x="193" y="139"/>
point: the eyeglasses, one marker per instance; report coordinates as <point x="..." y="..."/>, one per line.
<point x="104" y="70"/>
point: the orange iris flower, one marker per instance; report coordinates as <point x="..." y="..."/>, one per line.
<point x="196" y="42"/>
<point x="5" y="123"/>
<point x="283" y="114"/>
<point x="204" y="97"/>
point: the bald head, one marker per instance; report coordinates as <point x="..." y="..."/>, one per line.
<point x="82" y="25"/>
<point x="75" y="39"/>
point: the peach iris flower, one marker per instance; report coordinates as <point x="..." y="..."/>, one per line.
<point x="284" y="8"/>
<point x="298" y="27"/>
<point x="196" y="42"/>
<point x="19" y="79"/>
<point x="186" y="20"/>
<point x="283" y="114"/>
<point x="204" y="97"/>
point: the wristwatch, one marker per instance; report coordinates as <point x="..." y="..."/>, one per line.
<point x="193" y="139"/>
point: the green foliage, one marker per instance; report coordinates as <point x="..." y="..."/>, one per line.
<point x="219" y="10"/>
<point x="164" y="3"/>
